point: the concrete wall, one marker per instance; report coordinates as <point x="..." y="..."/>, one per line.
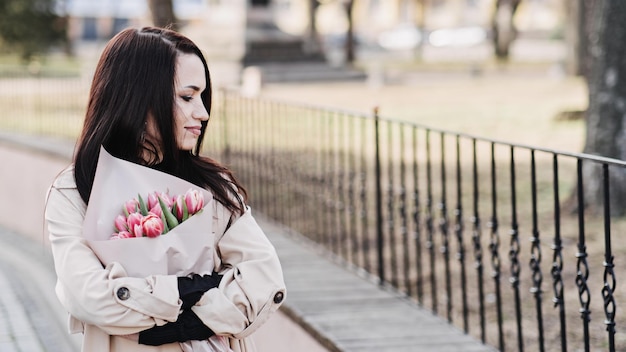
<point x="27" y="170"/>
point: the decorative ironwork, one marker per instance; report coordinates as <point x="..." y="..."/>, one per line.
<point x="582" y="268"/>
<point x="404" y="218"/>
<point x="417" y="225"/>
<point x="341" y="208"/>
<point x="352" y="196"/>
<point x="478" y="249"/>
<point x="391" y="205"/>
<point x="514" y="255"/>
<point x="430" y="230"/>
<point x="494" y="246"/>
<point x="379" y="202"/>
<point x="535" y="253"/>
<point x="367" y="266"/>
<point x="557" y="257"/>
<point x="443" y="228"/>
<point x="609" y="275"/>
<point x="458" y="231"/>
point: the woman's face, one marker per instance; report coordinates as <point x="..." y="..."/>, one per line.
<point x="189" y="111"/>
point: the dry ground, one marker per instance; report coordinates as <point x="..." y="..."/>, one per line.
<point x="515" y="105"/>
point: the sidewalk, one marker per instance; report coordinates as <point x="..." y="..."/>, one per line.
<point x="31" y="319"/>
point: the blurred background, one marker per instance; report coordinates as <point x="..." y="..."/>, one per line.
<point x="364" y="34"/>
<point x="540" y="73"/>
<point x="477" y="66"/>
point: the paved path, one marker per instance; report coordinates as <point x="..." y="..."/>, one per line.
<point x="340" y="309"/>
<point x="31" y="318"/>
<point x="348" y="312"/>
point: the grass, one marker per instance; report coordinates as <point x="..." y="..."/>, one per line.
<point x="40" y="66"/>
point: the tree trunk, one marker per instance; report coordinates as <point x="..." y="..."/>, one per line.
<point x="606" y="116"/>
<point x="350" y="33"/>
<point x="503" y="28"/>
<point x="162" y="12"/>
<point x="313" y="43"/>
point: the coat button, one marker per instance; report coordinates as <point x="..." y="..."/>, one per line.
<point x="278" y="297"/>
<point x="123" y="293"/>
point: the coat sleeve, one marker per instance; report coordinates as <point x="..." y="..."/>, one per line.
<point x="97" y="295"/>
<point x="252" y="287"/>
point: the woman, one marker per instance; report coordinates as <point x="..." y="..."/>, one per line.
<point x="149" y="104"/>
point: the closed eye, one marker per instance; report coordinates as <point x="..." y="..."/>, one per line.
<point x="186" y="97"/>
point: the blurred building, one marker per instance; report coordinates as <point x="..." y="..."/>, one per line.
<point x="289" y="21"/>
<point x="261" y="32"/>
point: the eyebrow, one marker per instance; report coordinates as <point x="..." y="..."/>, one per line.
<point x="195" y="88"/>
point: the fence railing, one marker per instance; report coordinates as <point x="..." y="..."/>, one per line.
<point x="493" y="236"/>
<point x="490" y="235"/>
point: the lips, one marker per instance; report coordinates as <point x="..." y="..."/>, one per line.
<point x="195" y="130"/>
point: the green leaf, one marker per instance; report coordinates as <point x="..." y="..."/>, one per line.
<point x="185" y="211"/>
<point x="142" y="206"/>
<point x="166" y="228"/>
<point x="171" y="220"/>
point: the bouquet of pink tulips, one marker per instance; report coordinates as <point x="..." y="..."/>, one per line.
<point x="160" y="214"/>
<point x="165" y="232"/>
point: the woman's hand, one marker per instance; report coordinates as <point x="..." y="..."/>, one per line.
<point x="188" y="327"/>
<point x="191" y="288"/>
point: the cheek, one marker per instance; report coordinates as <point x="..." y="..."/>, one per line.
<point x="180" y="118"/>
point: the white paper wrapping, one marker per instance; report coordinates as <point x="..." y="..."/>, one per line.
<point x="186" y="249"/>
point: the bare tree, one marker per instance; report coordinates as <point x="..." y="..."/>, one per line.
<point x="163" y="13"/>
<point x="503" y="28"/>
<point x="606" y="116"/>
<point x="350" y="42"/>
<point x="313" y="43"/>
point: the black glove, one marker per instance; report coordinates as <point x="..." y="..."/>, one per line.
<point x="187" y="327"/>
<point x="191" y="289"/>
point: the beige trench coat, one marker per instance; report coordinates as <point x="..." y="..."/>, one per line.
<point x="250" y="291"/>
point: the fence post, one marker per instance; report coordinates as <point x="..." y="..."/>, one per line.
<point x="379" y="201"/>
<point x="609" y="275"/>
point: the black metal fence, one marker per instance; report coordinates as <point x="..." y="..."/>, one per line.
<point x="490" y="235"/>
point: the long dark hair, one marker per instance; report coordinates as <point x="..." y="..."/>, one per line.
<point x="135" y="78"/>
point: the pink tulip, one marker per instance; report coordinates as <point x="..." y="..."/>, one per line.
<point x="153" y="199"/>
<point x="137" y="231"/>
<point x="180" y="203"/>
<point x="120" y="223"/>
<point x="131" y="206"/>
<point x="151" y="225"/>
<point x="133" y="221"/>
<point x="121" y="234"/>
<point x="194" y="201"/>
<point x="156" y="210"/>
<point x="125" y="234"/>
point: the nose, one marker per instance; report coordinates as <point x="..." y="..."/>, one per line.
<point x="200" y="113"/>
